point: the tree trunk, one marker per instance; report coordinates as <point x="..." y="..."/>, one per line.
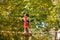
<point x="55" y="35"/>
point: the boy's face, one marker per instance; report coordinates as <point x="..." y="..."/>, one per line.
<point x="24" y="15"/>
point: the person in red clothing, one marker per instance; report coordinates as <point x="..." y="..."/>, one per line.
<point x="26" y="22"/>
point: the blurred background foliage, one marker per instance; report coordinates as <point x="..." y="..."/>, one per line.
<point x="11" y="12"/>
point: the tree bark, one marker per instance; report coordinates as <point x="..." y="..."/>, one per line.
<point x="56" y="35"/>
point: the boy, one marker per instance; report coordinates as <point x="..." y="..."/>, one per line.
<point x="26" y="23"/>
